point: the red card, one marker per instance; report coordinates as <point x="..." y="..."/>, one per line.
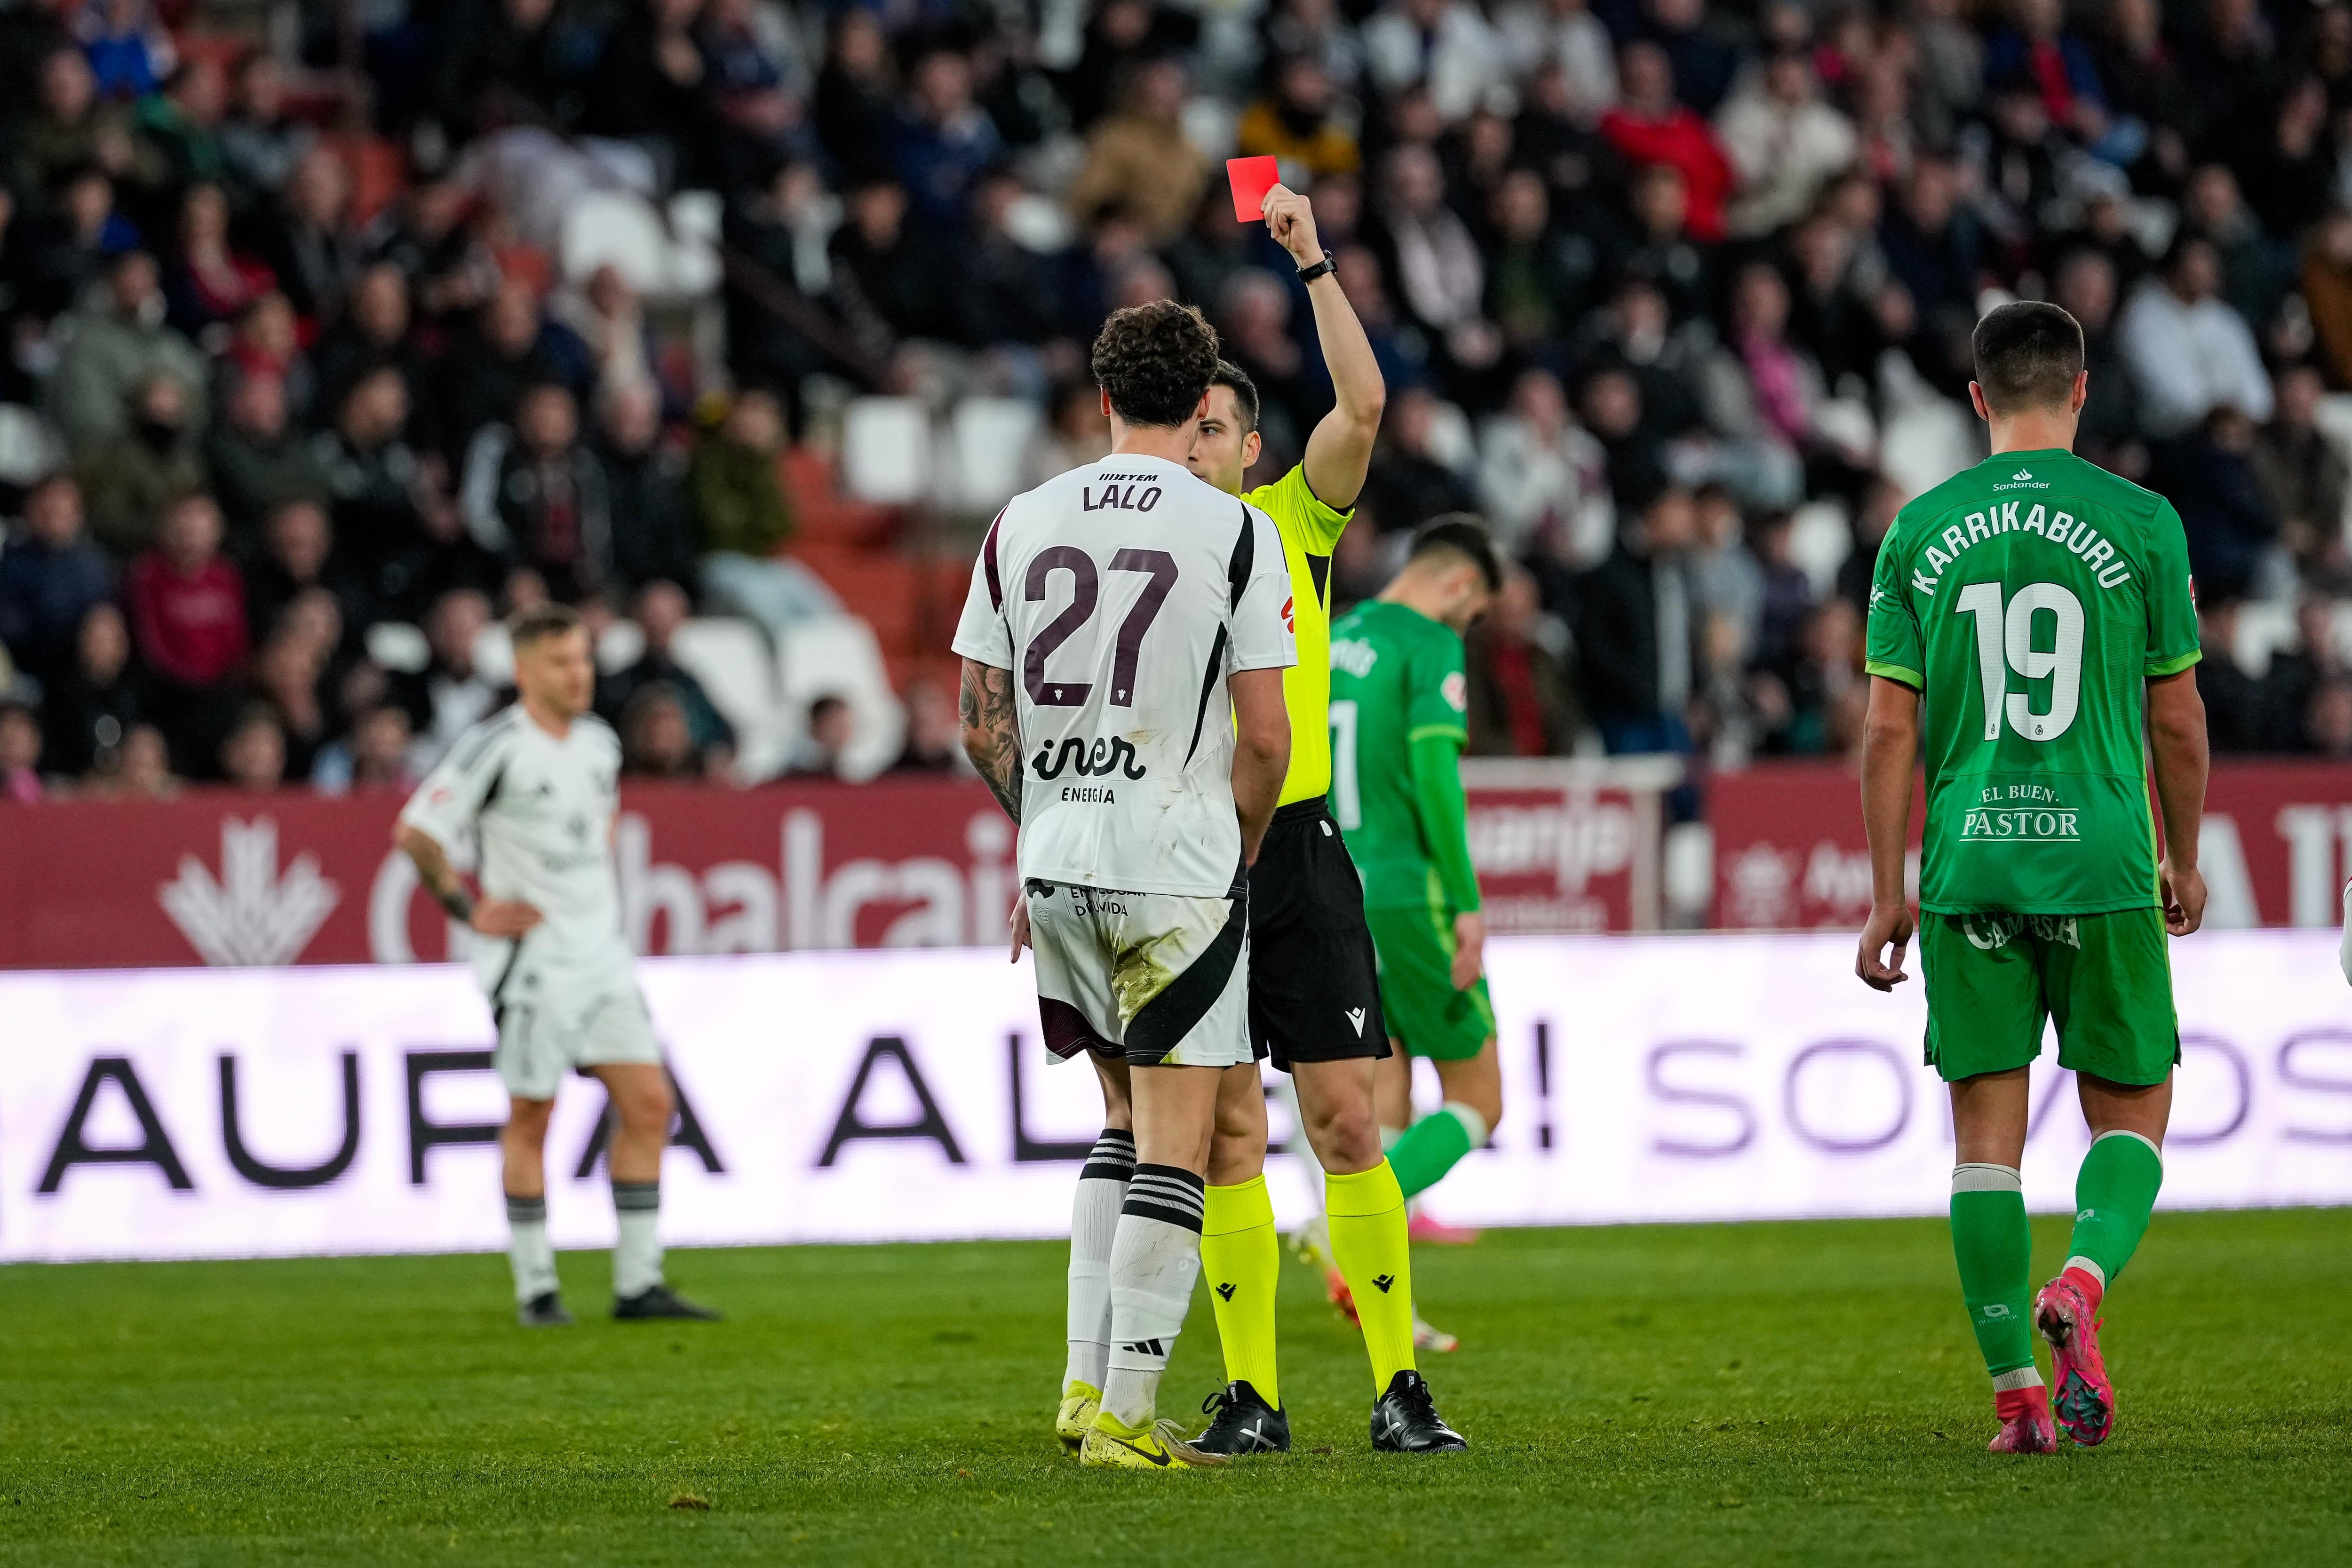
<point x="1252" y="178"/>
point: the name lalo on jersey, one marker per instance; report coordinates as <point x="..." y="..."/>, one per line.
<point x="1121" y="492"/>
<point x="2110" y="570"/>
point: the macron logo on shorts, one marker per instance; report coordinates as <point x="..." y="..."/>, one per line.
<point x="1356" y="1016"/>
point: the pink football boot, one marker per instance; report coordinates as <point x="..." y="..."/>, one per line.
<point x="2025" y="1425"/>
<point x="2081" y="1395"/>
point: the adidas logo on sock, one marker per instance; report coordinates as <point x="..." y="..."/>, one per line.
<point x="1384" y="1281"/>
<point x="1225" y="1291"/>
<point x="1146" y="1347"/>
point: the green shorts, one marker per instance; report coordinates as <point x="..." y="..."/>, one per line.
<point x="2106" y="979"/>
<point x="1425" y="1014"/>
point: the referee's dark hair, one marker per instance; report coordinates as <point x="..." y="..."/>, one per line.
<point x="1156" y="362"/>
<point x="1237" y="381"/>
<point x="1463" y="536"/>
<point x="541" y="621"/>
<point x="2027" y="355"/>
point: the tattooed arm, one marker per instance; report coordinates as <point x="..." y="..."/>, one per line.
<point x="992" y="732"/>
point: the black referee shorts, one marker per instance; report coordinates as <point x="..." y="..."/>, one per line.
<point x="1315" y="988"/>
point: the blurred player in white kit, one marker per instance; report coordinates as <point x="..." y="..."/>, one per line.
<point x="536" y="783"/>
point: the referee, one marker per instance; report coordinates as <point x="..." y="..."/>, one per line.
<point x="1315" y="1002"/>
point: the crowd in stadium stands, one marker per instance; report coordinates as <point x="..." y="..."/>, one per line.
<point x="1678" y="298"/>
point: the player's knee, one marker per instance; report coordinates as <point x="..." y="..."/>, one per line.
<point x="1346" y="1138"/>
<point x="648" y="1107"/>
<point x="1234" y="1158"/>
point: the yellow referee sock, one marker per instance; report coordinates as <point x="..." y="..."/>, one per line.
<point x="1368" y="1242"/>
<point x="1242" y="1260"/>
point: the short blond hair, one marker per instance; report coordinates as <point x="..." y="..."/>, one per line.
<point x="543" y="621"/>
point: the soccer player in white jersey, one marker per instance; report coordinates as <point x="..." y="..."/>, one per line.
<point x="1124" y="644"/>
<point x="536" y="785"/>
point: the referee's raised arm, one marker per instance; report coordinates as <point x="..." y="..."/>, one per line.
<point x="1340" y="452"/>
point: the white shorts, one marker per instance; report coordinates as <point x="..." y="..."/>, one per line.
<point x="1158" y="978"/>
<point x="542" y="1037"/>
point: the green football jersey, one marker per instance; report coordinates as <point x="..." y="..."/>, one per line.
<point x="2029" y="600"/>
<point x="1396" y="678"/>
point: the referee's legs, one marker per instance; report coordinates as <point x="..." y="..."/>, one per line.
<point x="1363" y="1206"/>
<point x="1240" y="1255"/>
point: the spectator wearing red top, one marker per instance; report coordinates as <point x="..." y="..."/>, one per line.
<point x="1648" y="126"/>
<point x="210" y="283"/>
<point x="187" y="618"/>
<point x="2036" y="52"/>
<point x="1522" y="692"/>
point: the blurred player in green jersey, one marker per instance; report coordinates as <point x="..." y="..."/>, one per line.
<point x="1314" y="1001"/>
<point x="2033" y="630"/>
<point x="1399" y="698"/>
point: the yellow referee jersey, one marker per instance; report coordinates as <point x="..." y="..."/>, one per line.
<point x="1309" y="531"/>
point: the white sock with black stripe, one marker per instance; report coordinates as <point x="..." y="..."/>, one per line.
<point x="637" y="1250"/>
<point x="528" y="1248"/>
<point x="1093" y="1221"/>
<point x="1154" y="1260"/>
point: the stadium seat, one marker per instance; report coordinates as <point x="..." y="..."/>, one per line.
<point x="730" y="657"/>
<point x="2265" y="629"/>
<point x="1927" y="444"/>
<point x="821" y="513"/>
<point x="839" y="656"/>
<point x="28" y="447"/>
<point x="1451" y="441"/>
<point x="379" y="172"/>
<point x="987" y="438"/>
<point x="622" y="644"/>
<point x="885" y="450"/>
<point x="1212" y="125"/>
<point x="398" y="646"/>
<point x="1820" y="539"/>
<point x="494" y="655"/>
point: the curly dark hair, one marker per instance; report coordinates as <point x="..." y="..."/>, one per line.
<point x="1156" y="361"/>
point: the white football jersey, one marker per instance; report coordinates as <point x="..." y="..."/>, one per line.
<point x="1120" y="596"/>
<point x="541" y="810"/>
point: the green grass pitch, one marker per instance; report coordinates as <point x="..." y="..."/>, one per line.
<point x="1802" y="1394"/>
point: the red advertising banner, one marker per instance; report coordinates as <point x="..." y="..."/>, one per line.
<point x="1790" y="851"/>
<point x="225" y="879"/>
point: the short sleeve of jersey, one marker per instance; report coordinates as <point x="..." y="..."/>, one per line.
<point x="982" y="635"/>
<point x="1437" y="698"/>
<point x="1893" y="649"/>
<point x="1262" y="635"/>
<point x="2173" y="644"/>
<point x="445" y="805"/>
<point x="1299" y="512"/>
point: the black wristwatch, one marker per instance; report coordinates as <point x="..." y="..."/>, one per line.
<point x="1322" y="267"/>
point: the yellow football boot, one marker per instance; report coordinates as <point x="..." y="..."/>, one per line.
<point x="1079" y="1402"/>
<point x="1110" y="1444"/>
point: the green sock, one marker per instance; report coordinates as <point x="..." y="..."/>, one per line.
<point x="2114" y="1193"/>
<point x="1994" y="1249"/>
<point x="1435" y="1145"/>
<point x="1241" y="1260"/>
